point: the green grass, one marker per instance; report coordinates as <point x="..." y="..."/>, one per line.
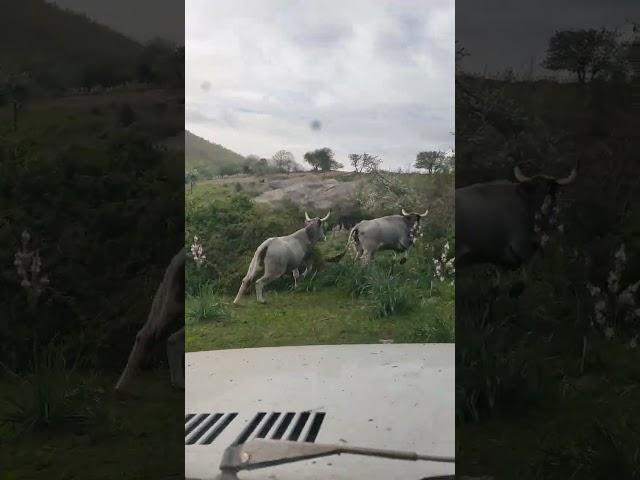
<point x="128" y="439"/>
<point x="329" y="316"/>
<point x="344" y="302"/>
<point x="204" y="306"/>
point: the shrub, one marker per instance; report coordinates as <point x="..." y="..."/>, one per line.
<point x="387" y="292"/>
<point x="46" y="394"/>
<point x="206" y="305"/>
<point x="437" y="330"/>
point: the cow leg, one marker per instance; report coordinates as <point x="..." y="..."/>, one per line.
<point x="296" y="275"/>
<point x="175" y="355"/>
<point x="260" y="284"/>
<point x="368" y="256"/>
<point x="143" y="344"/>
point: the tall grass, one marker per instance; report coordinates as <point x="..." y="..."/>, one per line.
<point x="494" y="374"/>
<point x="602" y="454"/>
<point x="46" y="394"/>
<point x="205" y="305"/>
<point x="387" y="292"/>
<point x="438" y="330"/>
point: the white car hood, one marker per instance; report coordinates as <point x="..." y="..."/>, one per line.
<point x="392" y="396"/>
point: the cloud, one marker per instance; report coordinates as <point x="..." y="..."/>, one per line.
<point x="377" y="77"/>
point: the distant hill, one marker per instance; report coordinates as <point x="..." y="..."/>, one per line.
<point x="62" y="49"/>
<point x="210" y="159"/>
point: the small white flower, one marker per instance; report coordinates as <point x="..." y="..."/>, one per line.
<point x="621" y="254"/>
<point x="561" y="228"/>
<point x="600" y="306"/>
<point x="544" y="239"/>
<point x="633" y="288"/>
<point x="633" y="343"/>
<point x="608" y="332"/>
<point x="612" y="282"/>
<point x="625" y="298"/>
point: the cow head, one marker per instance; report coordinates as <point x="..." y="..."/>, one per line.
<point x="314" y="227"/>
<point x="540" y="190"/>
<point x="413" y="220"/>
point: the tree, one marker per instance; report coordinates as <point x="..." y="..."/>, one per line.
<point x="364" y="162"/>
<point x="587" y="53"/>
<point x="312" y="160"/>
<point x="430" y="160"/>
<point x="14" y="90"/>
<point x="262" y="167"/>
<point x="228" y="169"/>
<point x="161" y="62"/>
<point x="322" y="159"/>
<point x="191" y="177"/>
<point x="283" y="161"/>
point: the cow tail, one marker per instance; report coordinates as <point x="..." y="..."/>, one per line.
<point x="353" y="233"/>
<point x="257" y="262"/>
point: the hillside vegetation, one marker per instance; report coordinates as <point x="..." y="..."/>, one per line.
<point x="96" y="198"/>
<point x="90" y="191"/>
<point x="58" y="50"/>
<point x="208" y="159"/>
<point x="343" y="302"/>
<point x="531" y="369"/>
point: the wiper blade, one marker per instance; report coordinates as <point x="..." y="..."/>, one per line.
<point x="267" y="453"/>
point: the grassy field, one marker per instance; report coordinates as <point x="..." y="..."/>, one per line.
<point x="341" y="303"/>
<point x="89" y="184"/>
<point x="329" y="317"/>
<point x="118" y="438"/>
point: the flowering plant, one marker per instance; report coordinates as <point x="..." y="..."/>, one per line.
<point x="613" y="305"/>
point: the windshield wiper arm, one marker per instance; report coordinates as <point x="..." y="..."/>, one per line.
<point x="266" y="453"/>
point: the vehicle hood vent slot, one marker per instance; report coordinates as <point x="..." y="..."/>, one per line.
<point x="292" y="426"/>
<point x="204" y="428"/>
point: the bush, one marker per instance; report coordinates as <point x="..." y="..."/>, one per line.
<point x="387" y="292"/>
<point x="438" y="330"/>
<point x="46" y="394"/>
<point x="205" y="306"/>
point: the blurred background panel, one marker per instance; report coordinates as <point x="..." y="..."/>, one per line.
<point x="547" y="318"/>
<point x="91" y="215"/>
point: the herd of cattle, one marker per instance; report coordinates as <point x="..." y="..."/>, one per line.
<point x="498" y="223"/>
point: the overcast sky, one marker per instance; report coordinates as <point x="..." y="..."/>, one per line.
<point x="141" y="20"/>
<point x="351" y="75"/>
<point x="500" y="35"/>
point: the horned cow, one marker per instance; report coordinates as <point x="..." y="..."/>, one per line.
<point x="500" y="222"/>
<point x="278" y="256"/>
<point x="393" y="232"/>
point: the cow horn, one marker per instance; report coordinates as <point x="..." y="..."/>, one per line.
<point x="425" y="213"/>
<point x="324" y="219"/>
<point x="572" y="176"/>
<point x="404" y="212"/>
<point x="521" y="177"/>
<point x="306" y="217"/>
